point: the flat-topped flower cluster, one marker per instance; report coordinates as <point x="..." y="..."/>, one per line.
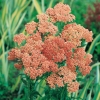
<point x="44" y="49"/>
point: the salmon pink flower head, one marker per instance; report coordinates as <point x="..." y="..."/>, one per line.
<point x="50" y="49"/>
<point x="30" y="27"/>
<point x="61" y="12"/>
<point x="19" y="38"/>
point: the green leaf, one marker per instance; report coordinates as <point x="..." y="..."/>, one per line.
<point x="16" y="84"/>
<point x="37" y="6"/>
<point x="24" y="81"/>
<point x="89" y="95"/>
<point x="98" y="49"/>
<point x="92" y="46"/>
<point x="19" y="23"/>
<point x="50" y="4"/>
<point x="35" y="93"/>
<point x="97" y="94"/>
<point x="83" y="92"/>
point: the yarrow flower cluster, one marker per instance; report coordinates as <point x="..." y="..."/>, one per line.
<point x="44" y="49"/>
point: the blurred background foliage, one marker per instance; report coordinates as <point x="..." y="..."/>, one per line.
<point x="14" y="14"/>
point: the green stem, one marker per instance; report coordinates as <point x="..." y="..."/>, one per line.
<point x="71" y="3"/>
<point x="92" y="46"/>
<point x="97" y="74"/>
<point x="16" y="84"/>
<point x="20" y="89"/>
<point x="50" y="4"/>
<point x="30" y="91"/>
<point x="96" y="64"/>
<point x="29" y="88"/>
<point x="4" y="64"/>
<point x="40" y="88"/>
<point x="42" y="3"/>
<point x="89" y="95"/>
<point x="37" y="6"/>
<point x="62" y="94"/>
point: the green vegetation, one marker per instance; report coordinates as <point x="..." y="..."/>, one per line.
<point x="14" y="14"/>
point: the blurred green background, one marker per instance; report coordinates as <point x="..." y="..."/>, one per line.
<point x="14" y="14"/>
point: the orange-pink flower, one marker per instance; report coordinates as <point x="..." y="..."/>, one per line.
<point x="61" y="12"/>
<point x="73" y="86"/>
<point x="45" y="51"/>
<point x="30" y="27"/>
<point x="19" y="38"/>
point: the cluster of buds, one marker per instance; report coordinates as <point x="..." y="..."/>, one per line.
<point x="44" y="49"/>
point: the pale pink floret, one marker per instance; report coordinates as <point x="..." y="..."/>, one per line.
<point x="19" y="38"/>
<point x="71" y="64"/>
<point x="62" y="7"/>
<point x="61" y="12"/>
<point x="36" y="36"/>
<point x="67" y="74"/>
<point x="73" y="86"/>
<point x="59" y="82"/>
<point x="14" y="54"/>
<point x="18" y="53"/>
<point x="51" y="13"/>
<point x="42" y="17"/>
<point x="51" y="80"/>
<point x="52" y="51"/>
<point x="47" y="27"/>
<point x="30" y="27"/>
<point x="53" y="67"/>
<point x="11" y="55"/>
<point x="32" y="72"/>
<point x="88" y="59"/>
<point x="85" y="70"/>
<point x="27" y="48"/>
<point x="87" y="35"/>
<point x="74" y="33"/>
<point x="46" y="66"/>
<point x="83" y="60"/>
<point x="63" y="76"/>
<point x="26" y="59"/>
<point x="60" y="56"/>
